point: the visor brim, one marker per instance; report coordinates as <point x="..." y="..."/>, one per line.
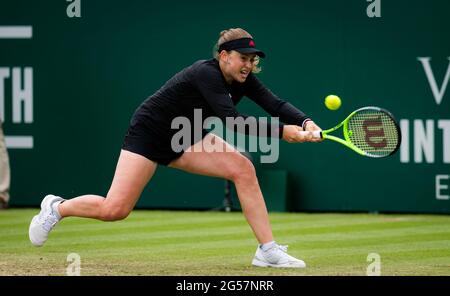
<point x="249" y="50"/>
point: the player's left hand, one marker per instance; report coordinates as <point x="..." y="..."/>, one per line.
<point x="311" y="126"/>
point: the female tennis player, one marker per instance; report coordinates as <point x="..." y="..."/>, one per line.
<point x="215" y="86"/>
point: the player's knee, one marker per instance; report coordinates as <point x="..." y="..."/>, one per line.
<point x="242" y="169"/>
<point x="114" y="213"/>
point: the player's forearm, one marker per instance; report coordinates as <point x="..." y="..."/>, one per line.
<point x="252" y="126"/>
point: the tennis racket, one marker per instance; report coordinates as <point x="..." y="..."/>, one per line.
<point x="369" y="131"/>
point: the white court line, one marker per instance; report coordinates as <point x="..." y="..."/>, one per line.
<point x="19" y="142"/>
<point x="16" y="32"/>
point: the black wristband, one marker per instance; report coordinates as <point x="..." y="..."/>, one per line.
<point x="280" y="131"/>
<point x="304" y="123"/>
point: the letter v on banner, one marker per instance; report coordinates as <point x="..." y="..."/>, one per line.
<point x="437" y="93"/>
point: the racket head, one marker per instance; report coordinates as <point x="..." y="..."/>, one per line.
<point x="373" y="131"/>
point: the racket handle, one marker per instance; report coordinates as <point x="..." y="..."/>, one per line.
<point x="317" y="134"/>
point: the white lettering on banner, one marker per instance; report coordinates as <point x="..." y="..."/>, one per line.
<point x="19" y="142"/>
<point x="16" y="32"/>
<point x="445" y="126"/>
<point x="423" y="141"/>
<point x="21" y="91"/>
<point x="4" y="73"/>
<point x="424" y="137"/>
<point x="437" y="93"/>
<point x="22" y="96"/>
<point x="424" y="134"/>
<point x="440" y="187"/>
<point x="404" y="146"/>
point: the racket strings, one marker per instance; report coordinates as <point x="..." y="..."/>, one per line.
<point x="374" y="132"/>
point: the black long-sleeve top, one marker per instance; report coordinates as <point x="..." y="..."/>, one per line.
<point x="202" y="86"/>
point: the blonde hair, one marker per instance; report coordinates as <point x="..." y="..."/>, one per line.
<point x="233" y="34"/>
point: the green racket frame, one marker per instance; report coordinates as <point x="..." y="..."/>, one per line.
<point x="347" y="133"/>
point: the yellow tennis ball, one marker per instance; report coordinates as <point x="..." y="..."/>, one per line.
<point x="333" y="102"/>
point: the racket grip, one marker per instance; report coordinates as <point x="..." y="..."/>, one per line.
<point x="317" y="134"/>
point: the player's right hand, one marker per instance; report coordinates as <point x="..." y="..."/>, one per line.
<point x="295" y="134"/>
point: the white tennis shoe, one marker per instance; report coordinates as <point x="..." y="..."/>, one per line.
<point x="276" y="256"/>
<point x="43" y="223"/>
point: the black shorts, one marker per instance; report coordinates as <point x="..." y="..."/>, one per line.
<point x="152" y="141"/>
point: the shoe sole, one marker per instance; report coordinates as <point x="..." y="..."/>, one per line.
<point x="30" y="234"/>
<point x="259" y="263"/>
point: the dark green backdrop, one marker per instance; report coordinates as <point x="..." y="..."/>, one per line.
<point x="90" y="73"/>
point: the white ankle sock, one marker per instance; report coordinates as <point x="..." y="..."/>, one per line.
<point x="55" y="209"/>
<point x="268" y="246"/>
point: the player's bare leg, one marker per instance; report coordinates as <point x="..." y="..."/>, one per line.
<point x="228" y="163"/>
<point x="133" y="172"/>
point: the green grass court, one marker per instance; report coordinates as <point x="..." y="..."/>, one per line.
<point x="218" y="243"/>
